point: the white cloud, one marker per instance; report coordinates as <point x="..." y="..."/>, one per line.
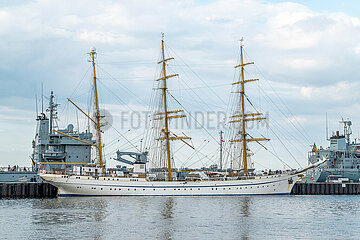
<point x="342" y="91"/>
<point x="309" y="56"/>
<point x="302" y="63"/>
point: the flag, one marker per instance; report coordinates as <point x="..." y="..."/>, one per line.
<point x="314" y="148"/>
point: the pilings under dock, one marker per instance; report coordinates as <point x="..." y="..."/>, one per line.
<point x="27" y="190"/>
<point x="302" y="188"/>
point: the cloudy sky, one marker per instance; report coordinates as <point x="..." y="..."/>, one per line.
<point x="307" y="55"/>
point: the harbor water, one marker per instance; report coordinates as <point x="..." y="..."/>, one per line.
<point x="242" y="217"/>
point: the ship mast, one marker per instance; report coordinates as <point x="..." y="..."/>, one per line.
<point x="97" y="113"/>
<point x="243" y="117"/>
<point x="166" y="119"/>
<point x="167" y="115"/>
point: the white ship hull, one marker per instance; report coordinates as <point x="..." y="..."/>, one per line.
<point x="116" y="186"/>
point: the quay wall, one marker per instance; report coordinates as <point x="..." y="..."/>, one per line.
<point x="27" y="190"/>
<point x="45" y="190"/>
<point x="302" y="188"/>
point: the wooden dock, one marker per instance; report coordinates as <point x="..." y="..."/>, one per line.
<point x="27" y="190"/>
<point x="301" y="188"/>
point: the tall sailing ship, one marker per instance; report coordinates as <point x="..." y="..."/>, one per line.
<point x="94" y="180"/>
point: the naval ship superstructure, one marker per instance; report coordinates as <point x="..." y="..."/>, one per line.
<point x="59" y="150"/>
<point x="343" y="156"/>
<point x="53" y="150"/>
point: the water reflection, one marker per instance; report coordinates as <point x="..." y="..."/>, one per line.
<point x="167" y="228"/>
<point x="245" y="206"/>
<point x="168" y="208"/>
<point x="62" y="213"/>
<point x="247" y="217"/>
<point x="245" y="212"/>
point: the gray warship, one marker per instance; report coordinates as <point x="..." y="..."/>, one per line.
<point x="343" y="157"/>
<point x="58" y="150"/>
<point x="53" y="150"/>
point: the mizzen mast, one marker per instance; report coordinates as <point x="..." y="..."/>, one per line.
<point x="243" y="117"/>
<point x="97" y="112"/>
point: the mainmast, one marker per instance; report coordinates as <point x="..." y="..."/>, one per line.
<point x="164" y="88"/>
<point x="166" y="114"/>
<point x="243" y="117"/>
<point x="97" y="113"/>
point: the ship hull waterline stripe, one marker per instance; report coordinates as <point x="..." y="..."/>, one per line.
<point x="170" y="195"/>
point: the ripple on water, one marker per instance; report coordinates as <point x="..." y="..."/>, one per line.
<point x="245" y="217"/>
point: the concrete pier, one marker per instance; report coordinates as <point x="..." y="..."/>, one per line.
<point x="27" y="190"/>
<point x="45" y="190"/>
<point x="301" y="188"/>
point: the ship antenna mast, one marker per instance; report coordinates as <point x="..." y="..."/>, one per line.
<point x="36" y="105"/>
<point x="97" y="113"/>
<point x="221" y="146"/>
<point x="42" y="97"/>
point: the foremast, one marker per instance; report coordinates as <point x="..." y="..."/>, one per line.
<point x="166" y="115"/>
<point x="97" y="112"/>
<point x="243" y="117"/>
